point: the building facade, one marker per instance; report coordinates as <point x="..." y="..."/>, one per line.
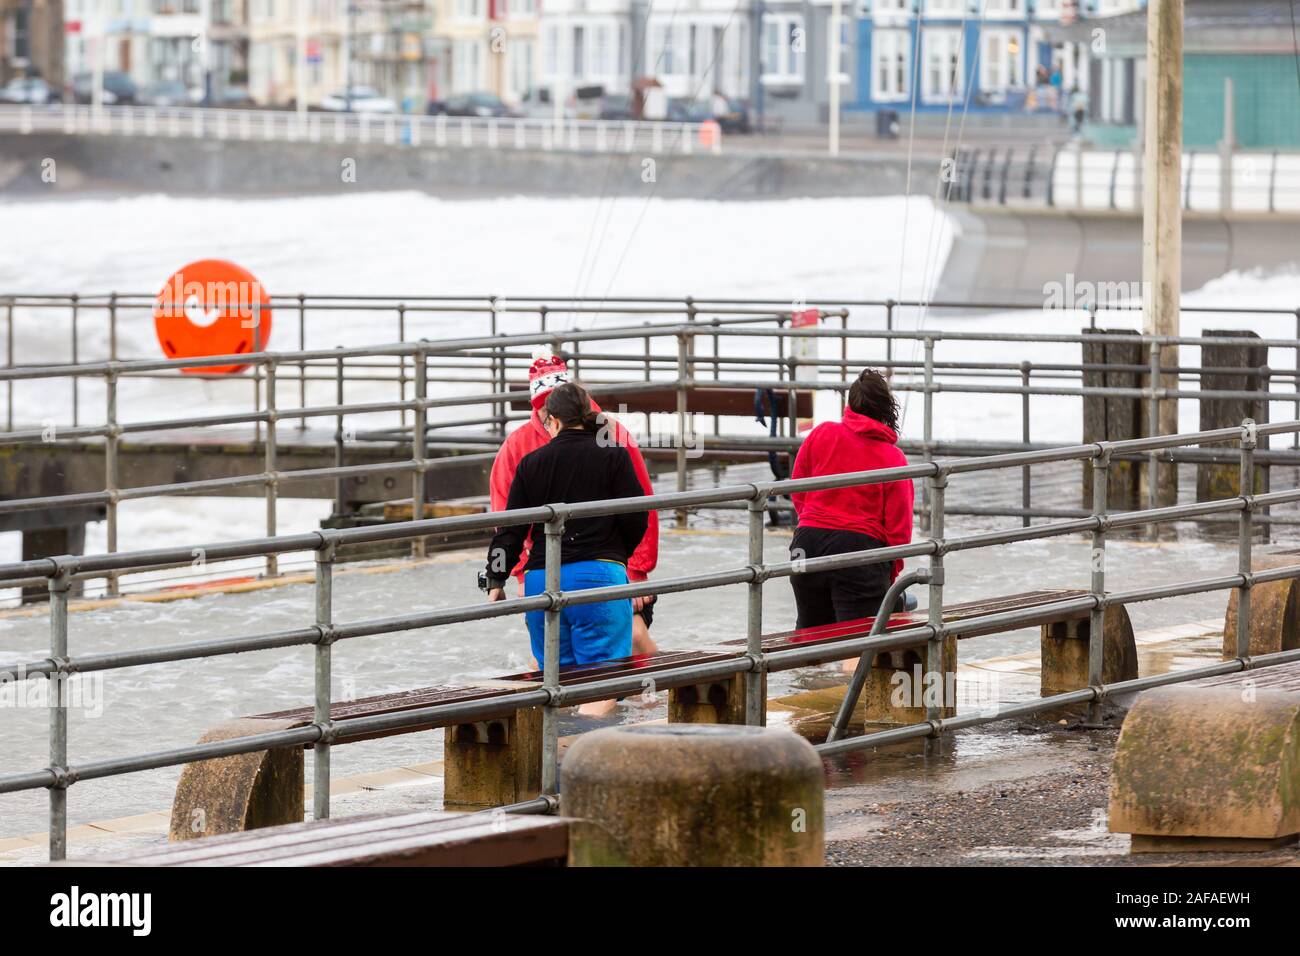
<point x="31" y="40"/>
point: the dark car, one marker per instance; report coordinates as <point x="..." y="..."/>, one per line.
<point x="166" y="93"/>
<point x="484" y="105"/>
<point x="684" y="110"/>
<point x="119" y="88"/>
<point x="616" y="107"/>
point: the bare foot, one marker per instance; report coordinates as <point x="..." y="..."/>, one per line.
<point x="597" y="708"/>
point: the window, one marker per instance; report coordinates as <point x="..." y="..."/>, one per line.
<point x="1001" y="61"/>
<point x="891" y="64"/>
<point x="662" y="57"/>
<point x="467" y="60"/>
<point x="622" y="49"/>
<point x="943" y="70"/>
<point x="1004" y="8"/>
<point x="552" y="49"/>
<point x="600" y="50"/>
<point x="943" y="8"/>
<point x="784" y="47"/>
<point x="579" y="53"/>
<point x="521" y="66"/>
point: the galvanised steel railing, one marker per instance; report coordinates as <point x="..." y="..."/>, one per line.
<point x="361" y="128"/>
<point x="324" y="632"/>
<point x="495" y="359"/>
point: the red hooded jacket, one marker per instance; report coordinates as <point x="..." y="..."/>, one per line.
<point x="529" y="437"/>
<point x="855" y="443"/>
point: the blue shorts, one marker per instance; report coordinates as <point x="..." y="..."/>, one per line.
<point x="589" y="633"/>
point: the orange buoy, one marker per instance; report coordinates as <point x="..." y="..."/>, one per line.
<point x="212" y="307"/>
<point x="710" y="134"/>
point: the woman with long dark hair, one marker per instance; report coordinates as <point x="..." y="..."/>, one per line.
<point x="857" y="518"/>
<point x="577" y="464"/>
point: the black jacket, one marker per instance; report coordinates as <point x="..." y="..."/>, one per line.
<point x="572" y="467"/>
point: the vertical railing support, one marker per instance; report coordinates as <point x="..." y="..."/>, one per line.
<point x="1097" y="584"/>
<point x="1025" y="368"/>
<point x="1153" y="429"/>
<point x="401" y="361"/>
<point x="112" y="433"/>
<point x="551" y="661"/>
<point x="59" y="585"/>
<point x="338" y="433"/>
<point x="1245" y="531"/>
<point x="320" y="798"/>
<point x="754" y="702"/>
<point x="271" y="467"/>
<point x="937" y="483"/>
<point x="302" y="365"/>
<point x="889" y="340"/>
<point x="683" y="364"/>
<point x="76" y="379"/>
<point x="9" y="358"/>
<point x="418" y="440"/>
<point x="927" y="434"/>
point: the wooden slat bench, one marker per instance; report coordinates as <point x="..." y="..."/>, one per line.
<point x="498" y="760"/>
<point x="701" y="400"/>
<point x="409" y="839"/>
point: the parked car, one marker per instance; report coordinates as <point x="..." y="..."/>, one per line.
<point x="31" y="90"/>
<point x="483" y="105"/>
<point x="616" y="107"/>
<point x="364" y="99"/>
<point x="684" y="110"/>
<point x="585" y="102"/>
<point x="233" y="96"/>
<point x="168" y="93"/>
<point x="119" y="88"/>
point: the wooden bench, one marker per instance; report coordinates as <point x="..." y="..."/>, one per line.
<point x="497" y="761"/>
<point x="701" y="400"/>
<point x="408" y="839"/>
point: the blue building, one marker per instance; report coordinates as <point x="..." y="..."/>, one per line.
<point x="997" y="48"/>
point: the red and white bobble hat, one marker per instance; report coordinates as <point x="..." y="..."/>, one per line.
<point x="547" y="371"/>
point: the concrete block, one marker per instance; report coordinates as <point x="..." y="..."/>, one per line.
<point x="490" y="763"/>
<point x="1274" y="611"/>
<point x="714" y="702"/>
<point x="1064" y="649"/>
<point x="1197" y="767"/>
<point x="897" y="686"/>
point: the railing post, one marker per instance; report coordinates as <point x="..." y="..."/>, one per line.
<point x="418" y="439"/>
<point x="683" y="364"/>
<point x="9" y="355"/>
<point x="551" y="663"/>
<point x="112" y="326"/>
<point x="112" y="431"/>
<point x="927" y="430"/>
<point x="302" y="365"/>
<point x="76" y="379"/>
<point x="754" y="702"/>
<point x="272" y="463"/>
<point x="1153" y="429"/>
<point x="937" y="483"/>
<point x="1245" y="531"/>
<point x="320" y="798"/>
<point x="1097" y="616"/>
<point x="497" y="370"/>
<point x="401" y="360"/>
<point x="1025" y="368"/>
<point x="59" y="586"/>
<point x="338" y="433"/>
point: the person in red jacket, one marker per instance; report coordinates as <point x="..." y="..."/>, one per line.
<point x="857" y="518"/>
<point x="546" y="373"/>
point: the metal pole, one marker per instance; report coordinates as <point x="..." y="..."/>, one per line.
<point x="112" y="325"/>
<point x="1244" y="533"/>
<point x="1162" y="219"/>
<point x="76" y="379"/>
<point x="320" y="798"/>
<point x="272" y="482"/>
<point x="112" y="431"/>
<point x="1024" y="437"/>
<point x="1097" y="616"/>
<point x="682" y="373"/>
<point x="401" y="360"/>
<point x="927" y="430"/>
<point x="9" y="354"/>
<point x="889" y="342"/>
<point x="754" y="694"/>
<point x="302" y="366"/>
<point x="58" y="704"/>
<point x="1153" y="429"/>
<point x="418" y="446"/>
<point x="338" y="434"/>
<point x="934" y="647"/>
<point x="551" y="662"/>
<point x="833" y="79"/>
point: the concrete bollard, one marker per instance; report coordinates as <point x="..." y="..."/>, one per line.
<point x="1064" y="652"/>
<point x="1215" y="481"/>
<point x="242" y="792"/>
<point x="1208" y="768"/>
<point x="1109" y="418"/>
<point x="491" y="763"/>
<point x="693" y="795"/>
<point x="1274" y="615"/>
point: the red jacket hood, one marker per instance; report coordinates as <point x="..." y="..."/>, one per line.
<point x="868" y="427"/>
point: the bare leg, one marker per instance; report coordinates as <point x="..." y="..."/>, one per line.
<point x="642" y="642"/>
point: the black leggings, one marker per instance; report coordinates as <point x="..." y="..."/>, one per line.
<point x="845" y="594"/>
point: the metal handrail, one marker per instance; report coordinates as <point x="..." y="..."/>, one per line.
<point x="322" y="733"/>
